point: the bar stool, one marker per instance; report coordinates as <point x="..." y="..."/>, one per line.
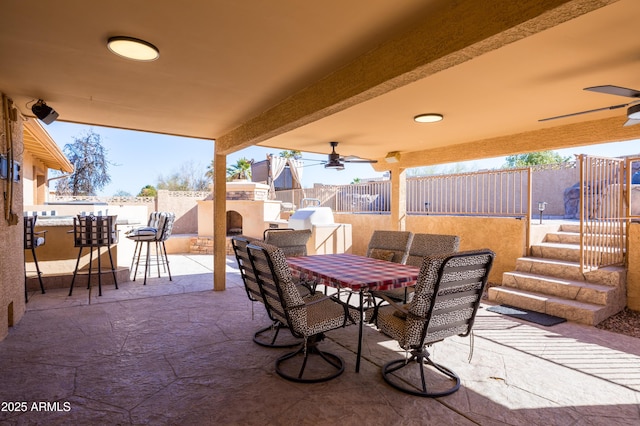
<point x="32" y="240"/>
<point x="157" y="231"/>
<point x="94" y="232"/>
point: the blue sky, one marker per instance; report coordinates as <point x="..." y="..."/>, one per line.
<point x="140" y="158"/>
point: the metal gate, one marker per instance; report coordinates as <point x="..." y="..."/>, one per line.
<point x="602" y="211"/>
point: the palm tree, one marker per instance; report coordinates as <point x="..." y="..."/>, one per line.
<point x="291" y="154"/>
<point x="240" y="170"/>
<point x="210" y="171"/>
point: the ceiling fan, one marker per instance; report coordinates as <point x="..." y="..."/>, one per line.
<point x="633" y="112"/>
<point x="337" y="162"/>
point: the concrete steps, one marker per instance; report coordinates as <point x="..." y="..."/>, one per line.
<point x="551" y="281"/>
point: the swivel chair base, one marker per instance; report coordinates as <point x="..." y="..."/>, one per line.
<point x="334" y="363"/>
<point x="419" y="357"/>
<point x="268" y="336"/>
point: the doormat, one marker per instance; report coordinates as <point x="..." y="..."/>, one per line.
<point x="527" y="315"/>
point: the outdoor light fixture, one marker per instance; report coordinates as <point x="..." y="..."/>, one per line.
<point x="44" y="112"/>
<point x="428" y="118"/>
<point x="392" y="157"/>
<point x="133" y="48"/>
<point x="541" y="206"/>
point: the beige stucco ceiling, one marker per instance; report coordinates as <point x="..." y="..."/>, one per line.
<point x="296" y="75"/>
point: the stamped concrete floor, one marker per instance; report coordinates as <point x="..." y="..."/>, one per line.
<point x="179" y="353"/>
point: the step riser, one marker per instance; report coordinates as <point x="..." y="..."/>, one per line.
<point x="569" y="254"/>
<point x="562" y="238"/>
<point x="547" y="306"/>
<point x="567" y="291"/>
<point x="565" y="227"/>
<point x="609" y="240"/>
<point x="561" y="253"/>
<point x="612" y="277"/>
<point x="575" y="228"/>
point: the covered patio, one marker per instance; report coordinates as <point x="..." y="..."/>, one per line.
<point x="177" y="353"/>
<point x="286" y="76"/>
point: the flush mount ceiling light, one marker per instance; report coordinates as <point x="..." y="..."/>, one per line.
<point x="133" y="48"/>
<point x="428" y="118"/>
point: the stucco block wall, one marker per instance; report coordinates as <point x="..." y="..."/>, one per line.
<point x="505" y="236"/>
<point x="12" y="303"/>
<point x="548" y="185"/>
<point x="362" y="226"/>
<point x="633" y="270"/>
<point x="183" y="204"/>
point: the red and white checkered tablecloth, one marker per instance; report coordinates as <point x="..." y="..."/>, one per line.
<point x="346" y="270"/>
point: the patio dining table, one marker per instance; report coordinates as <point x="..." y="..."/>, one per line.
<point x="355" y="273"/>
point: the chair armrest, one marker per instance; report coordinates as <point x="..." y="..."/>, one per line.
<point x="324" y="298"/>
<point x="400" y="310"/>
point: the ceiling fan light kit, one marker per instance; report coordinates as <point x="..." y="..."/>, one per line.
<point x="336" y="162"/>
<point x="633" y="113"/>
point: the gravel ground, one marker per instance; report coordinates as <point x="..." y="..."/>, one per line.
<point x="626" y="322"/>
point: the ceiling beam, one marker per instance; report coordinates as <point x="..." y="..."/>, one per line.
<point x="454" y="32"/>
<point x="567" y="136"/>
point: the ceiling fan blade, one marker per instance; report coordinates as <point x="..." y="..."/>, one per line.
<point x="584" y="112"/>
<point x="355" y="159"/>
<point x="615" y="90"/>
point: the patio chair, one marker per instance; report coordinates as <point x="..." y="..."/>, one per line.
<point x="266" y="336"/>
<point x="308" y="318"/>
<point x="32" y="240"/>
<point x="293" y="242"/>
<point x="94" y="232"/>
<point x="422" y="245"/>
<point x="447" y="295"/>
<point x="157" y="231"/>
<point x="429" y="245"/>
<point x="392" y="246"/>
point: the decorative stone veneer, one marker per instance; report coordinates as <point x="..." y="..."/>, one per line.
<point x="201" y="245"/>
<point x="247" y="191"/>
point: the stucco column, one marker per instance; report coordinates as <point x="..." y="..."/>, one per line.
<point x="219" y="221"/>
<point x="398" y="198"/>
